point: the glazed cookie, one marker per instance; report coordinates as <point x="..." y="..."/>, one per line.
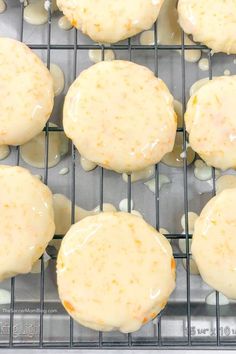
<point x="211" y="122"/>
<point x="110" y="21"/>
<point x="27" y="92"/>
<point x="114" y="272"/>
<point x="120" y="116"/>
<point x="214" y="243"/>
<point x="211" y="22"/>
<point x="26" y="220"/>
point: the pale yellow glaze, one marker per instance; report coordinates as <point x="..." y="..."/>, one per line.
<point x="211" y="124"/>
<point x="110" y="100"/>
<point x="110" y="21"/>
<point x="33" y="152"/>
<point x="212" y="22"/>
<point x="35" y="13"/>
<point x="169" y="32"/>
<point x="58" y="79"/>
<point x="2" y="6"/>
<point x="87" y="165"/>
<point x="26" y="220"/>
<point x="64" y="23"/>
<point x="95" y="55"/>
<point x="27" y="88"/>
<point x="214" y="243"/>
<point x="62" y="212"/>
<point x="4" y="151"/>
<point x="175" y="157"/>
<point x="144" y="174"/>
<point x="225" y="182"/>
<point x="114" y="272"/>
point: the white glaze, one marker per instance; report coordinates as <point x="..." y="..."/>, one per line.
<point x="203" y="64"/>
<point x="211" y="299"/>
<point x="33" y="152"/>
<point x="87" y="165"/>
<point x="163" y="179"/>
<point x="35" y="12"/>
<point x="211" y="22"/>
<point x="62" y="212"/>
<point x="169" y="32"/>
<point x="64" y="171"/>
<point x="64" y="23"/>
<point x="144" y="174"/>
<point x="95" y="55"/>
<point x="27" y="88"/>
<point x="214" y="243"/>
<point x="107" y="102"/>
<point x="4" y="151"/>
<point x="178" y="107"/>
<point x="109" y="21"/>
<point x="26" y="220"/>
<point x="2" y="6"/>
<point x="114" y="272"/>
<point x="175" y="158"/>
<point x="193" y="269"/>
<point x="36" y="268"/>
<point x="227" y="72"/>
<point x="192" y="217"/>
<point x="58" y="79"/>
<point x="197" y="85"/>
<point x="210" y="122"/>
<point x="5" y="297"/>
<point x="123" y="205"/>
<point x="225" y="182"/>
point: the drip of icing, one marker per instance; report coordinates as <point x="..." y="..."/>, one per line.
<point x="193" y="268"/>
<point x="36" y="268"/>
<point x="95" y="55"/>
<point x="33" y="152"/>
<point x="2" y="6"/>
<point x="35" y="12"/>
<point x="146" y="173"/>
<point x="163" y="231"/>
<point x="203" y="64"/>
<point x="136" y="212"/>
<point x="64" y="23"/>
<point x="62" y="213"/>
<point x="197" y="85"/>
<point x="58" y="79"/>
<point x="4" y="151"/>
<point x="87" y="165"/>
<point x="211" y="299"/>
<point x="5" y="297"/>
<point x="202" y="171"/>
<point x="123" y="205"/>
<point x="64" y="171"/>
<point x="163" y="179"/>
<point x="178" y="107"/>
<point x="227" y="72"/>
<point x="225" y="182"/>
<point x="175" y="158"/>
<point x="192" y="217"/>
<point x="169" y="31"/>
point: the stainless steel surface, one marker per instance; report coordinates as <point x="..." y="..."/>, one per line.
<point x="187" y="320"/>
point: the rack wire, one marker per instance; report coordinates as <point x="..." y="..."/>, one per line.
<point x="153" y="343"/>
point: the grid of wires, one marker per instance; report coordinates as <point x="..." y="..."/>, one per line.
<point x="157" y="342"/>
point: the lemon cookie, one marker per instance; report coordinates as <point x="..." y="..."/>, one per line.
<point x="114" y="272"/>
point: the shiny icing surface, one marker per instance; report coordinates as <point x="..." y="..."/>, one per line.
<point x="26" y="220"/>
<point x="212" y="22"/>
<point x="110" y="21"/>
<point x="211" y="124"/>
<point x="214" y="243"/>
<point x="114" y="272"/>
<point x="110" y="100"/>
<point x="27" y="88"/>
<point x="225" y="182"/>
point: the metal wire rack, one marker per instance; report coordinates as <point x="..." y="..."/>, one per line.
<point x="157" y="341"/>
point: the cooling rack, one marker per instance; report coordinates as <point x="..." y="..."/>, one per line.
<point x="153" y="340"/>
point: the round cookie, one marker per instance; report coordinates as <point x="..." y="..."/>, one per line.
<point x="26" y="220"/>
<point x="211" y="122"/>
<point x="120" y="116"/>
<point x="114" y="272"/>
<point x="211" y="22"/>
<point x="27" y="93"/>
<point x="109" y="21"/>
<point x="214" y="243"/>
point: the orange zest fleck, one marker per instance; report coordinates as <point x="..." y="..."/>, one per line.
<point x="68" y="306"/>
<point x="173" y="264"/>
<point x="74" y="23"/>
<point x="145" y="320"/>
